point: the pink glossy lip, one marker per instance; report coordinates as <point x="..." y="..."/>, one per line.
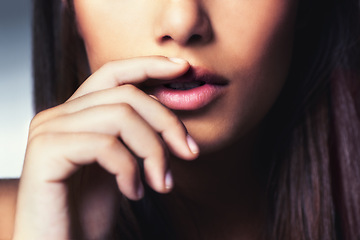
<point x="191" y="99"/>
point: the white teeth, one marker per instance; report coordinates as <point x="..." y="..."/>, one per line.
<point x="184" y="85"/>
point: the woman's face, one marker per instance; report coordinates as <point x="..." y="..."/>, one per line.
<point x="244" y="44"/>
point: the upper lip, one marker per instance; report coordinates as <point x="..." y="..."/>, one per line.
<point x="197" y="74"/>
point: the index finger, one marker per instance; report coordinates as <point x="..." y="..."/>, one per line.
<point x="132" y="71"/>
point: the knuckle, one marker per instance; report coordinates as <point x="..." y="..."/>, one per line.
<point x="130" y="89"/>
<point x="131" y="168"/>
<point x="173" y="121"/>
<point x="33" y="124"/>
<point x="41" y="140"/>
<point x="128" y="169"/>
<point x="110" y="143"/>
<point x="38" y="118"/>
<point x="158" y="150"/>
<point x="107" y="66"/>
<point x="124" y="110"/>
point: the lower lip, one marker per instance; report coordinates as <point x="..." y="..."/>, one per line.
<point x="192" y="99"/>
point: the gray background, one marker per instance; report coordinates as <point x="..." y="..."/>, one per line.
<point x="15" y="84"/>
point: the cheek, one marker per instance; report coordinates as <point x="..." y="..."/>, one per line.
<point x="107" y="31"/>
<point x="258" y="33"/>
<point x="252" y="47"/>
<point x="261" y="46"/>
<point x="255" y="45"/>
<point x="255" y="52"/>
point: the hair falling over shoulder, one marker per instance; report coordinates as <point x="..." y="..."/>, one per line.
<point x="310" y="147"/>
<point x="315" y="127"/>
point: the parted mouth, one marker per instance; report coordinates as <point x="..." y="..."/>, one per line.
<point x="184" y="85"/>
<point x="195" y="77"/>
<point x="192" y="91"/>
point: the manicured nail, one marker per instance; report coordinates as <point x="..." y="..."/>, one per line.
<point x="154" y="97"/>
<point x="178" y="60"/>
<point x="194" y="148"/>
<point x="169" y="183"/>
<point x="140" y="191"/>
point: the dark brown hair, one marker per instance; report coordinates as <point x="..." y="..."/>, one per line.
<point x="310" y="146"/>
<point x="59" y="57"/>
<point x="315" y="128"/>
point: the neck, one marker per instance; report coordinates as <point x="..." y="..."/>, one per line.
<point x="218" y="192"/>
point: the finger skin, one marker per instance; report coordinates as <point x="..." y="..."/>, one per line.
<point x="133" y="71"/>
<point x="65" y="138"/>
<point x="64" y="153"/>
<point x="60" y="159"/>
<point x="160" y="118"/>
<point x="118" y="73"/>
<point x="121" y="73"/>
<point x="118" y="120"/>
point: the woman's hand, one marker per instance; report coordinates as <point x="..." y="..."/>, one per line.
<point x="110" y="122"/>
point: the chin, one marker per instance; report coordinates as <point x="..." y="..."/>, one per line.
<point x="222" y="138"/>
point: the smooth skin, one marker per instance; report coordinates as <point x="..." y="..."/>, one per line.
<point x="8" y="196"/>
<point x="247" y="42"/>
<point x="110" y="121"/>
<point x="85" y="130"/>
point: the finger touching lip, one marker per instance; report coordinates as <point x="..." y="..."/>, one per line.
<point x="195" y="89"/>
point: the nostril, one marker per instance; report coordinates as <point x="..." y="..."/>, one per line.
<point x="195" y="39"/>
<point x="166" y="38"/>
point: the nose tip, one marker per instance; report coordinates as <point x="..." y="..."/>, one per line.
<point x="185" y="23"/>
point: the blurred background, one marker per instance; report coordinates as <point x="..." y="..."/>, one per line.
<point x="15" y="84"/>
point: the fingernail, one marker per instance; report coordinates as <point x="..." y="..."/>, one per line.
<point x="140" y="191"/>
<point x="194" y="148"/>
<point x="178" y="60"/>
<point x="154" y="97"/>
<point x="169" y="183"/>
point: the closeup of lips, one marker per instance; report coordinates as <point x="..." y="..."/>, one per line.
<point x="194" y="90"/>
